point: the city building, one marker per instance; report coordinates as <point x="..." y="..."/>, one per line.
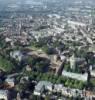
<point x="4" y="95"/>
<point x="16" y="55"/>
<point x="10" y="82"/>
<point x="41" y="86"/>
<point x="82" y="77"/>
<point x="72" y="62"/>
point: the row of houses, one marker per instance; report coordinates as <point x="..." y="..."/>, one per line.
<point x="45" y="85"/>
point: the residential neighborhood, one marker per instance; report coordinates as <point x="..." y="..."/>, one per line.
<point x="47" y="50"/>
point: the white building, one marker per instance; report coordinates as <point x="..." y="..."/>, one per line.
<point x="16" y="55"/>
<point x="82" y="77"/>
<point x="93" y="73"/>
<point x="58" y="87"/>
<point x="10" y="82"/>
<point x="8" y="39"/>
<point x="41" y="86"/>
<point x="72" y="62"/>
<point x="73" y="24"/>
<point x="3" y="95"/>
<point x="62" y="57"/>
<point x="66" y="91"/>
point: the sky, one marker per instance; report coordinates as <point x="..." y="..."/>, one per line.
<point x="16" y="1"/>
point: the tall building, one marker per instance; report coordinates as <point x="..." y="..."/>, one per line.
<point x="93" y="16"/>
<point x="72" y="62"/>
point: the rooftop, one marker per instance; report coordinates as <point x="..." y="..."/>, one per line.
<point x="41" y="84"/>
<point x="82" y="77"/>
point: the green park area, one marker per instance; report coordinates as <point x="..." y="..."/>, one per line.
<point x="68" y="82"/>
<point x="5" y="65"/>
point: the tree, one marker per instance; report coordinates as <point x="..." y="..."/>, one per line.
<point x="67" y="82"/>
<point x="80" y="85"/>
<point x="21" y="87"/>
<point x="67" y="67"/>
<point x="58" y="80"/>
<point x="6" y="65"/>
<point x="30" y="60"/>
<point x="47" y="97"/>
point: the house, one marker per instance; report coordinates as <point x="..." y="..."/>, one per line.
<point x="24" y="79"/>
<point x="62" y="57"/>
<point x="28" y="68"/>
<point x="41" y="86"/>
<point x="39" y="89"/>
<point x="58" y="87"/>
<point x="8" y="40"/>
<point x="16" y="55"/>
<point x="71" y="92"/>
<point x="4" y="95"/>
<point x="65" y="91"/>
<point x="10" y="82"/>
<point x="93" y="73"/>
<point x="18" y="96"/>
<point x="76" y="92"/>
